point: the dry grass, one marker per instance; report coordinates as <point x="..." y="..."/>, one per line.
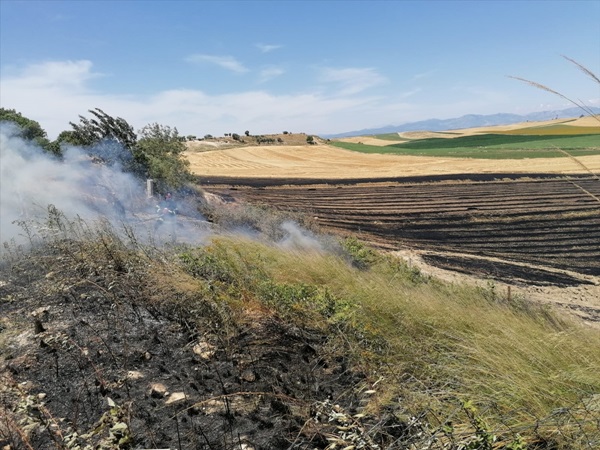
<point x="434" y="344"/>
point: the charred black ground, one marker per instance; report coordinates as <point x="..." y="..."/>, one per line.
<point x="101" y="346"/>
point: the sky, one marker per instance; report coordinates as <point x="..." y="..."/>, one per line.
<point x="318" y="67"/>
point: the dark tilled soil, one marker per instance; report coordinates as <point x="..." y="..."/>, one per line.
<point x="537" y="224"/>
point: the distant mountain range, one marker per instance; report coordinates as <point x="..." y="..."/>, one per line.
<point x="468" y="121"/>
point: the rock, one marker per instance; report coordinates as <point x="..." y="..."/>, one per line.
<point x="248" y="375"/>
<point x="134" y="375"/>
<point x="175" y="397"/>
<point x="158" y="390"/>
<point x="204" y="350"/>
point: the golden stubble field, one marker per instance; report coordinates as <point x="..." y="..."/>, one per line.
<point x="328" y="162"/>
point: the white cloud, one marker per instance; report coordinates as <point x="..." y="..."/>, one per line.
<point x="410" y="93"/>
<point x="52" y="74"/>
<point x="266" y="48"/>
<point x="269" y="73"/>
<point x="420" y="76"/>
<point x="226" y="62"/>
<point x="56" y="93"/>
<point x="352" y="80"/>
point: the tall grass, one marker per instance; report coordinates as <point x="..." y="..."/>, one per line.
<point x="433" y="344"/>
<point x="464" y="360"/>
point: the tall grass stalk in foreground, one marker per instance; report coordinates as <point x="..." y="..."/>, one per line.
<point x="580" y="104"/>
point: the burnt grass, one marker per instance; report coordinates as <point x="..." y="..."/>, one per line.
<point x="105" y="346"/>
<point x="99" y="349"/>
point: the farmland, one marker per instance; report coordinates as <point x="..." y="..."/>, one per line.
<point x="540" y="231"/>
<point x="492" y="146"/>
<point x="522" y="209"/>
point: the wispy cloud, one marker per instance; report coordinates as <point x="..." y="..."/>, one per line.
<point x="411" y="93"/>
<point x="352" y="80"/>
<point x="420" y="76"/>
<point x="57" y="74"/>
<point x="269" y="73"/>
<point x="56" y="93"/>
<point x="266" y="48"/>
<point x="226" y="62"/>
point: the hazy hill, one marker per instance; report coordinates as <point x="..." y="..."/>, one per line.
<point x="467" y="121"/>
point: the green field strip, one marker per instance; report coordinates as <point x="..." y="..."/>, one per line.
<point x="397" y="137"/>
<point x="489" y="146"/>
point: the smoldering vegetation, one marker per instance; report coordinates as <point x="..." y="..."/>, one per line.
<point x="90" y="186"/>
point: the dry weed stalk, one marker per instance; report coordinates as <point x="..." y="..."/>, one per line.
<point x="580" y="105"/>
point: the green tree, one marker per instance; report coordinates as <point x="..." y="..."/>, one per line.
<point x="160" y="151"/>
<point x="30" y="129"/>
<point x="155" y="152"/>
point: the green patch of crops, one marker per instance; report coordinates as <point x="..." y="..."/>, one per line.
<point x="489" y="146"/>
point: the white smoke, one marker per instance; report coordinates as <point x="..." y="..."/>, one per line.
<point x="298" y="238"/>
<point x="31" y="180"/>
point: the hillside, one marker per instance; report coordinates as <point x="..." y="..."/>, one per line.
<point x="468" y="121"/>
<point x="323" y="161"/>
<point x="270" y="313"/>
<point x="289" y="339"/>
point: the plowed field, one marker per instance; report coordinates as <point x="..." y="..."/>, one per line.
<point x="543" y="231"/>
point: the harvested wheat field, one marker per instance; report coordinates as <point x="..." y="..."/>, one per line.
<point x="330" y="163"/>
<point x="530" y="224"/>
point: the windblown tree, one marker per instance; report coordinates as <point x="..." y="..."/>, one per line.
<point x="155" y="152"/>
<point x="108" y="139"/>
<point x="160" y="151"/>
<point x="102" y="126"/>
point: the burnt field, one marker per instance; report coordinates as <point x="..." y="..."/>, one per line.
<point x="536" y="229"/>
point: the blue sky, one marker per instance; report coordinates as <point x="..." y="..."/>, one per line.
<point x="318" y="67"/>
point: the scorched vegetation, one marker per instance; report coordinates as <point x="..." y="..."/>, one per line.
<point x="272" y="342"/>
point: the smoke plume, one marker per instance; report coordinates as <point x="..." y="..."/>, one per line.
<point x="32" y="180"/>
<point x="79" y="187"/>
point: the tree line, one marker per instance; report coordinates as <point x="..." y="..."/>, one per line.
<point x="156" y="151"/>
